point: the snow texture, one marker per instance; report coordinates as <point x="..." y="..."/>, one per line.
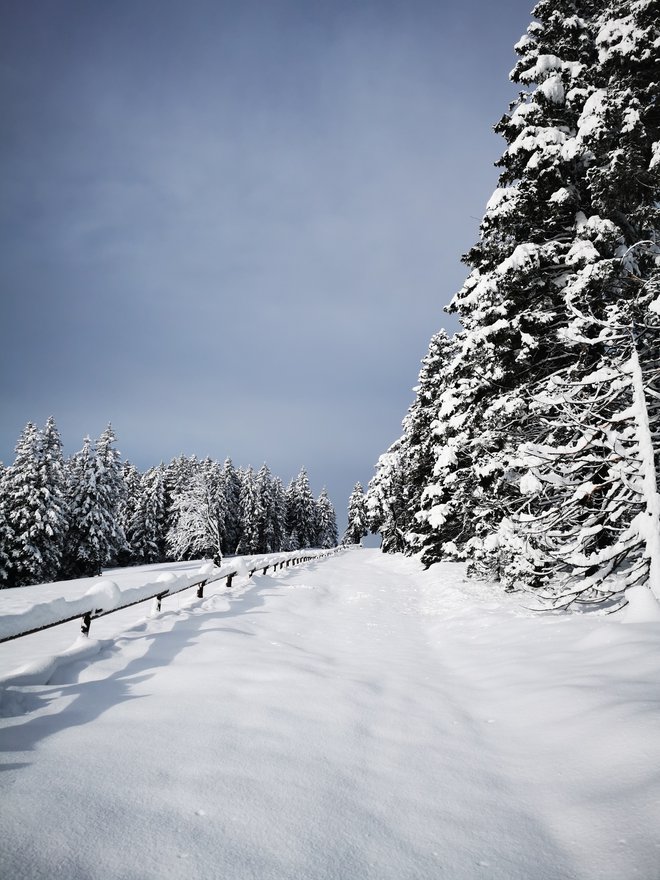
<point x="358" y="717"/>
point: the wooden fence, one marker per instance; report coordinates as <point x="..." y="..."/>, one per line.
<point x="252" y="564"/>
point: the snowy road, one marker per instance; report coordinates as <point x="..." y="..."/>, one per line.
<point x="356" y="719"/>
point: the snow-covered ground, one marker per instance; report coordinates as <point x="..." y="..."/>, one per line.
<point x="356" y="717"/>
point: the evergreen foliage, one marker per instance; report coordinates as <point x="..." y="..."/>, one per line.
<point x="357" y="526"/>
<point x="69" y="519"/>
<point x="533" y="451"/>
<point x="34" y="518"/>
<point x="326" y="522"/>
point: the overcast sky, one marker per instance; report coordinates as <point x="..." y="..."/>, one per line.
<point x="230" y="228"/>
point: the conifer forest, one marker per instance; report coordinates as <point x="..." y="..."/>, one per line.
<point x="62" y="519"/>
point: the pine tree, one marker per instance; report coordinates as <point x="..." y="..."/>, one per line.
<point x="232" y="484"/>
<point x="301" y="511"/>
<point x="357" y="517"/>
<point x="278" y="497"/>
<point x="326" y="521"/>
<point x="267" y="526"/>
<point x="110" y="487"/>
<point x="251" y="514"/>
<point x="6" y="533"/>
<point x="95" y="494"/>
<point x="127" y="509"/>
<point x="146" y="533"/>
<point x="197" y="520"/>
<point x="35" y="509"/>
<point x="387" y="499"/>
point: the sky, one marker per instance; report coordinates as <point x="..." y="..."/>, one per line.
<point x="231" y="228"/>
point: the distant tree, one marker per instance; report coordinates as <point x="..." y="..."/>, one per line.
<point x="130" y="501"/>
<point x="34" y="507"/>
<point x="198" y="521"/>
<point x="232" y="484"/>
<point x="147" y="526"/>
<point x="95" y="494"/>
<point x="301" y="510"/>
<point x="357" y="517"/>
<point x="251" y="513"/>
<point x="387" y="498"/>
<point x="267" y="525"/>
<point x="278" y="513"/>
<point x="326" y="522"/>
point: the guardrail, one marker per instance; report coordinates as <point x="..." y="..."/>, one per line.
<point x="237" y="566"/>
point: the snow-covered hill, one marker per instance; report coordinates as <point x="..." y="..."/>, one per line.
<point x="352" y="718"/>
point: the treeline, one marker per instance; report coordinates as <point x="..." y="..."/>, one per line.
<point x="65" y="518"/>
<point x="532" y="449"/>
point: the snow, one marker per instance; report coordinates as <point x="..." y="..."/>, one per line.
<point x="642" y="606"/>
<point x="530" y="484"/>
<point x="549" y="64"/>
<point x="356" y="717"/>
<point x="655" y="158"/>
<point x="553" y="89"/>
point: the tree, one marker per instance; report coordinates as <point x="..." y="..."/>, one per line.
<point x="95" y="493"/>
<point x="147" y="527"/>
<point x="34" y="507"/>
<point x="252" y="514"/>
<point x="6" y="533"/>
<point x="301" y="510"/>
<point x="232" y="484"/>
<point x="357" y="517"/>
<point x="326" y="522"/>
<point x="198" y="520"/>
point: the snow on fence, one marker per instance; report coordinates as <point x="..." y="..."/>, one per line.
<point x="105" y="597"/>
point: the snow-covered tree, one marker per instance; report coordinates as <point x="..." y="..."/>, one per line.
<point x="388" y="512"/>
<point x="278" y="513"/>
<point x="147" y="528"/>
<point x="232" y="484"/>
<point x="95" y="491"/>
<point x="197" y="528"/>
<point x="6" y="534"/>
<point x="252" y="513"/>
<point x="131" y="495"/>
<point x="357" y="526"/>
<point x="34" y="507"/>
<point x="301" y="510"/>
<point x="326" y="522"/>
<point x="267" y="526"/>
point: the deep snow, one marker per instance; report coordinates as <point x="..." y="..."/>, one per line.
<point x="353" y="718"/>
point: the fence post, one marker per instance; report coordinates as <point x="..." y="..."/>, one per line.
<point x="86" y="623"/>
<point x="230" y="578"/>
<point x="200" y="590"/>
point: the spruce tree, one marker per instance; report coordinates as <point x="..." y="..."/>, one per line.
<point x="6" y="533"/>
<point x="35" y="508"/>
<point x="232" y="484"/>
<point x="357" y="526"/>
<point x="146" y="534"/>
<point x="326" y="522"/>
<point x="251" y="514"/>
<point x="95" y="493"/>
<point x="301" y="511"/>
<point x="197" y="527"/>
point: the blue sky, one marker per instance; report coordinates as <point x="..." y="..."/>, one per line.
<point x="230" y="228"/>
